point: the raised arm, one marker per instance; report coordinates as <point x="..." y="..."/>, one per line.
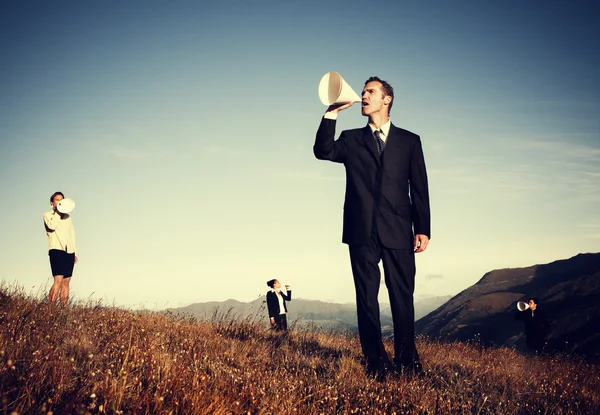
<point x="52" y="220"/>
<point x="326" y="147"/>
<point x="287" y="296"/>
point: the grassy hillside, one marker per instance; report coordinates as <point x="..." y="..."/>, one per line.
<point x="93" y="359"/>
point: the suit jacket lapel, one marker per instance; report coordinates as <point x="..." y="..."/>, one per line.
<point x="394" y="142"/>
<point x="369" y="142"/>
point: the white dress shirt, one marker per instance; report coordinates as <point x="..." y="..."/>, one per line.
<point x="384" y="129"/>
<point x="280" y="299"/>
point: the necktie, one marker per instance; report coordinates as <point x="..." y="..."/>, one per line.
<point x="380" y="143"/>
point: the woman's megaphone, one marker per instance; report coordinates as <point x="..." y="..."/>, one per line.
<point x="522" y="306"/>
<point x="334" y="90"/>
<point x="65" y="205"/>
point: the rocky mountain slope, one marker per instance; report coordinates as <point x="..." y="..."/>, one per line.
<point x="569" y="291"/>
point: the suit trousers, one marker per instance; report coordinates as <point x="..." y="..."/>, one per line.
<point x="399" y="271"/>
<point x="280" y="322"/>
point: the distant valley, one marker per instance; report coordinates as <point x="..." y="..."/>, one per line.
<point x="303" y="313"/>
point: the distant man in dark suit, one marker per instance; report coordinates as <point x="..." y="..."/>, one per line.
<point x="386" y="217"/>
<point x="276" y="304"/>
<point x="536" y="325"/>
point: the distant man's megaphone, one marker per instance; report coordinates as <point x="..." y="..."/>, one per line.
<point x="334" y="90"/>
<point x="65" y="205"/>
<point x="522" y="306"/>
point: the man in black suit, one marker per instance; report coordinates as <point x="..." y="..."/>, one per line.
<point x="536" y="325"/>
<point x="386" y="217"/>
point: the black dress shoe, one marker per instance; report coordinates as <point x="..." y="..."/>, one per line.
<point x="379" y="374"/>
<point x="409" y="369"/>
<point x="377" y="370"/>
<point x="418" y="369"/>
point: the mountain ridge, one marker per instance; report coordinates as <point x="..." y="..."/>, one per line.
<point x="568" y="289"/>
<point x="302" y="312"/>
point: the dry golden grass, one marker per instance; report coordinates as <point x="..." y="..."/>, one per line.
<point x="93" y="359"/>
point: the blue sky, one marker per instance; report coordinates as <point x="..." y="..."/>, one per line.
<point x="184" y="133"/>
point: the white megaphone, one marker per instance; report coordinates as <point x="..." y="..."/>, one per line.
<point x="65" y="205"/>
<point x="522" y="306"/>
<point x="334" y="90"/>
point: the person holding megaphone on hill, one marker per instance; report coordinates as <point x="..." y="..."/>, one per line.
<point x="61" y="246"/>
<point x="535" y="324"/>
<point x="386" y="215"/>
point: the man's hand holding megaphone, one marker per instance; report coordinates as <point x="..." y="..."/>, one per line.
<point x="339" y="107"/>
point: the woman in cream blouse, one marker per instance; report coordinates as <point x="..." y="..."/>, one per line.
<point x="61" y="249"/>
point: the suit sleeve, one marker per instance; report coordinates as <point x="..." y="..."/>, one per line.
<point x="272" y="305"/>
<point x="419" y="191"/>
<point x="544" y="327"/>
<point x="288" y="296"/>
<point x="326" y="147"/>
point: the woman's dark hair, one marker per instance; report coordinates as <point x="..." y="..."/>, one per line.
<point x="271" y="283"/>
<point x="54" y="195"/>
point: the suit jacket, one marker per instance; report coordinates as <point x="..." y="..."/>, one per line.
<point x="273" y="302"/>
<point x="391" y="190"/>
<point x="536" y="322"/>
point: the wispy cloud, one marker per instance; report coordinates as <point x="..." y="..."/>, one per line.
<point x="459" y="174"/>
<point x="429" y="277"/>
<point x="133" y="148"/>
<point x="308" y="176"/>
<point x="566" y="149"/>
<point x="130" y="153"/>
<point x="136" y="146"/>
<point x="590" y="230"/>
<point x="220" y="150"/>
<point x="527" y="168"/>
<point x="595" y="226"/>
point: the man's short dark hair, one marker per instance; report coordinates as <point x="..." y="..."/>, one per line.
<point x="387" y="89"/>
<point x="534" y="299"/>
<point x="54" y="195"/>
<point x="271" y="283"/>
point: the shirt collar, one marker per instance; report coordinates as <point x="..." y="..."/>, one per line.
<point x="385" y="129"/>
